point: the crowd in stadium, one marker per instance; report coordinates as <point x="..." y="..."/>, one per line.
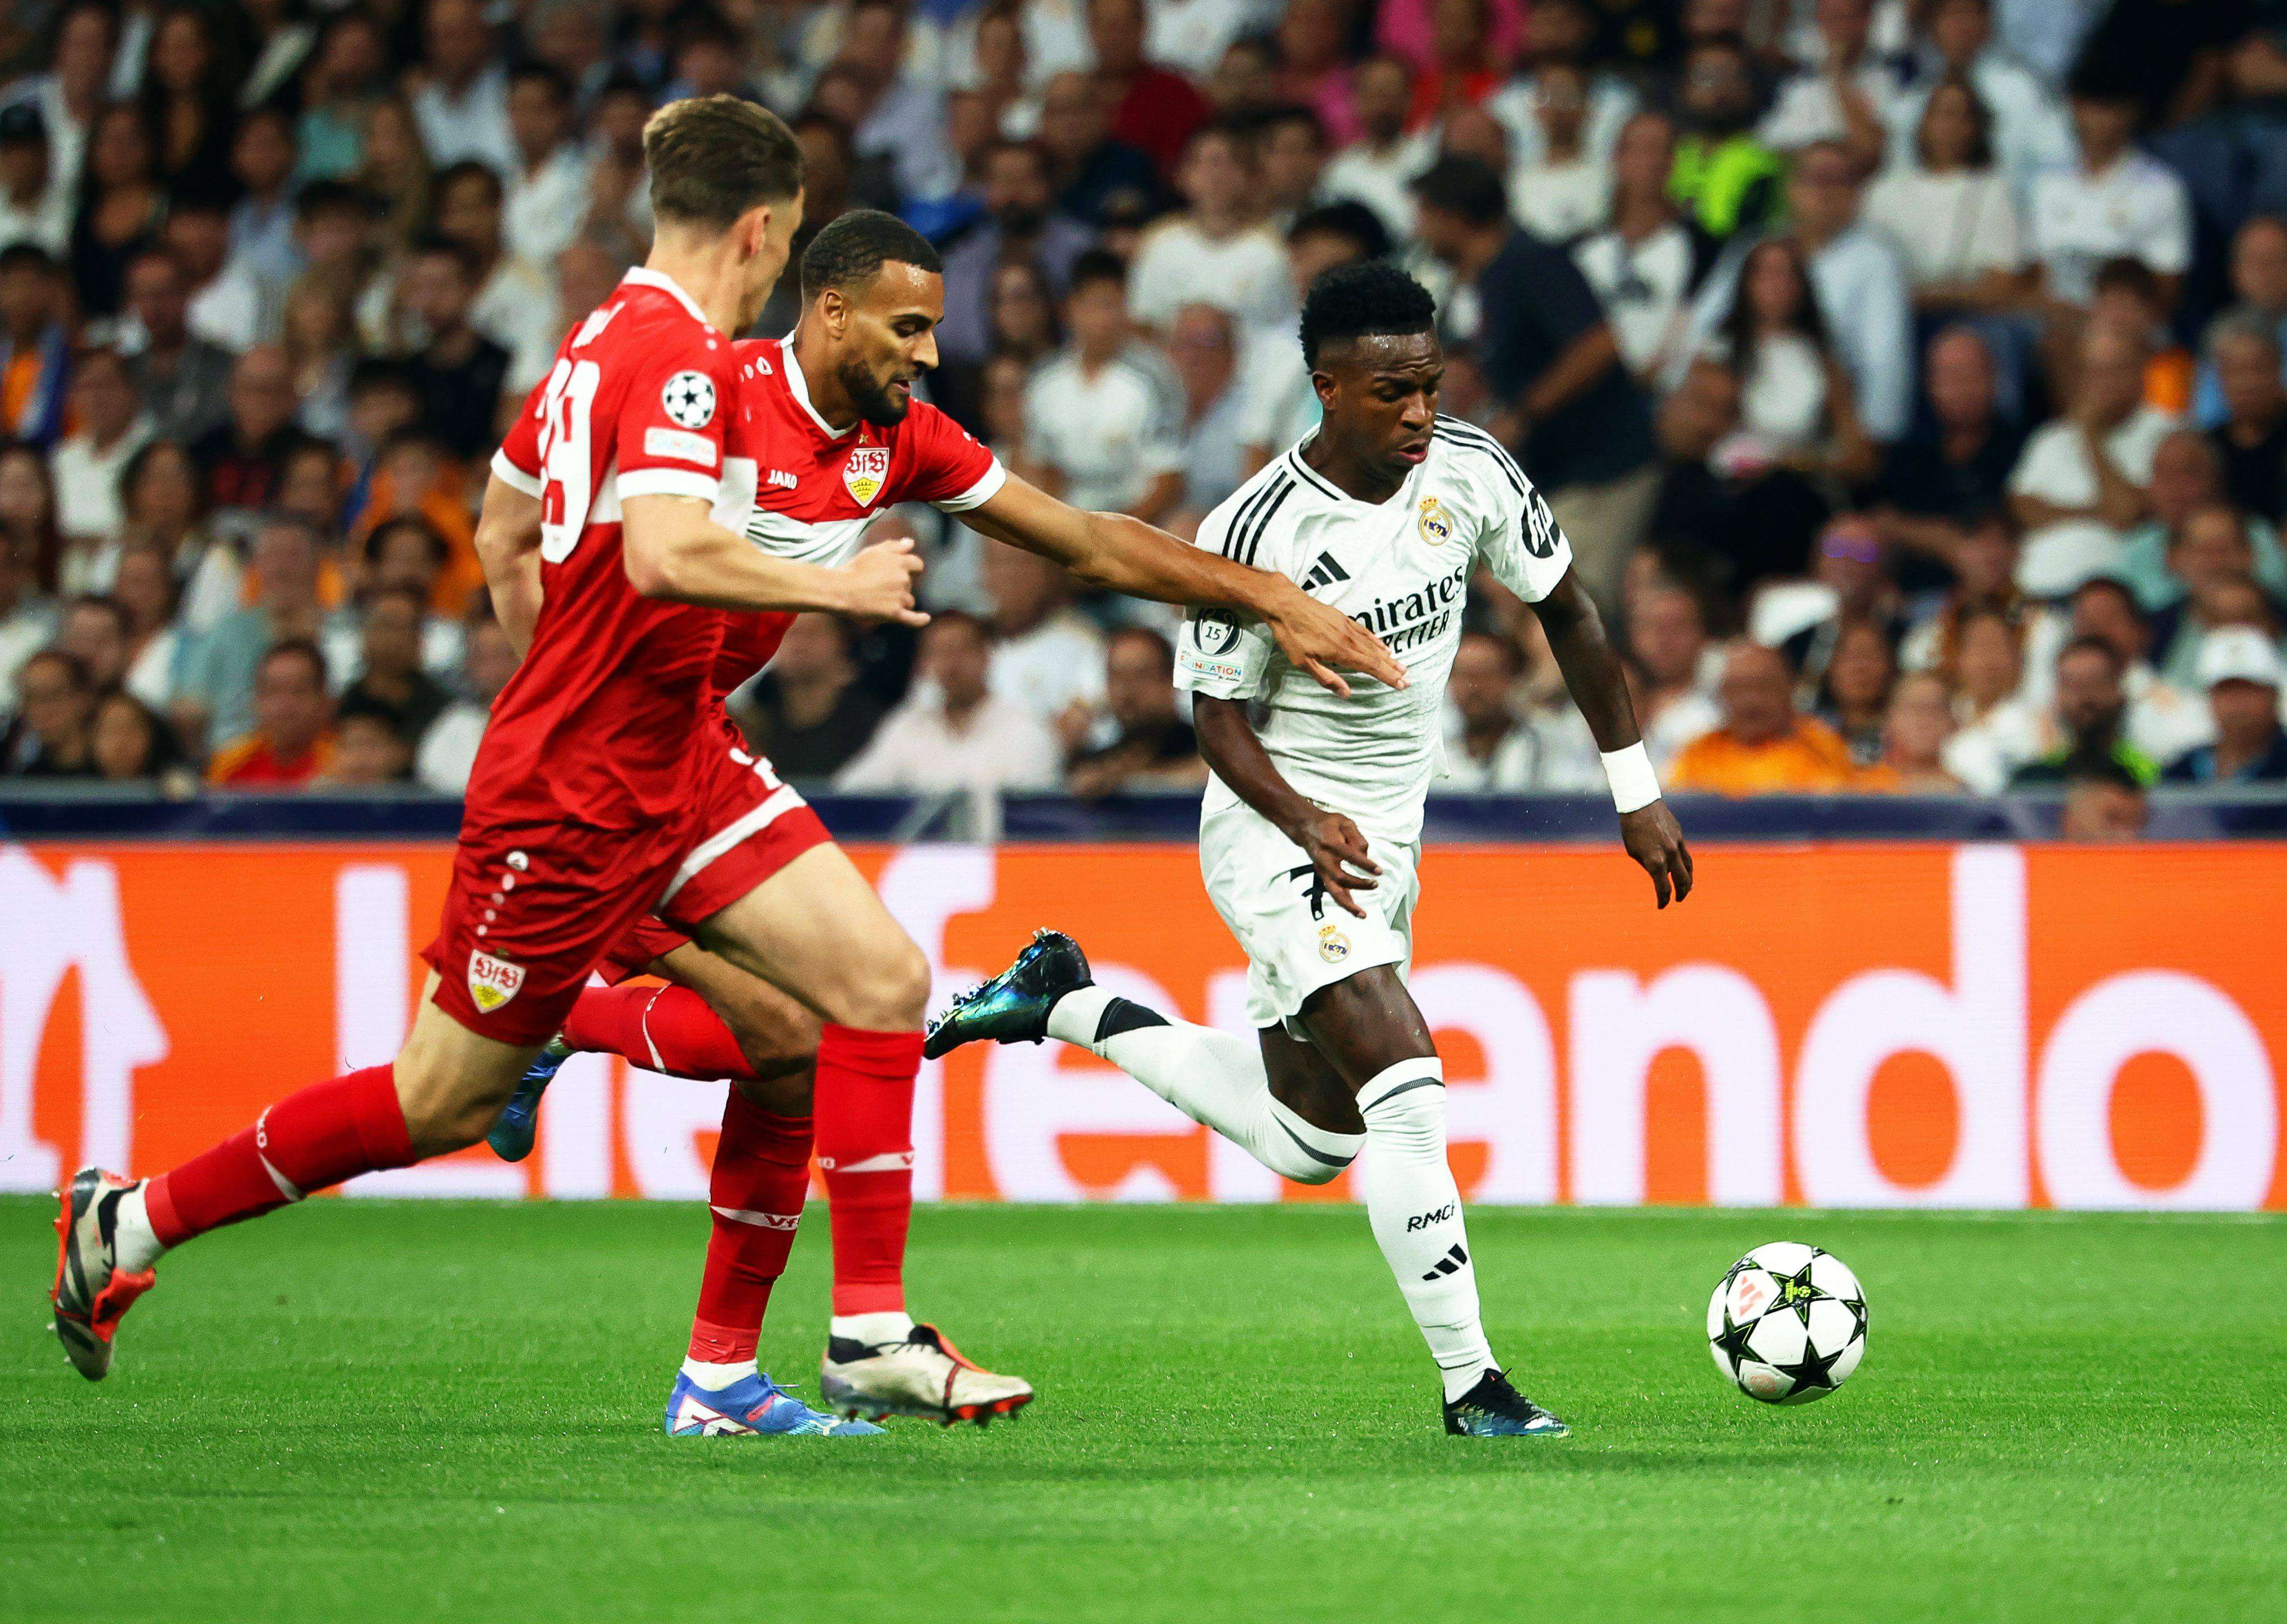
<point x="1907" y="374"/>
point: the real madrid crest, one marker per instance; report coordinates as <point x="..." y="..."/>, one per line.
<point x="1437" y="529"/>
<point x="1334" y="947"/>
<point x="864" y="473"/>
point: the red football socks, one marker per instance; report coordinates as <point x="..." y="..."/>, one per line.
<point x="761" y="1174"/>
<point x="863" y="1106"/>
<point x="327" y="1132"/>
<point x="667" y="1029"/>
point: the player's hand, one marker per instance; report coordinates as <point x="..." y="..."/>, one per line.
<point x="1655" y="839"/>
<point x="1335" y="847"/>
<point x="1324" y="642"/>
<point x="879" y="583"/>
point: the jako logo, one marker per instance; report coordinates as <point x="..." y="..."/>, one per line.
<point x="1425" y="1219"/>
<point x="779" y="479"/>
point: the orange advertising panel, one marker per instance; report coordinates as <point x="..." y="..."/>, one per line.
<point x="1973" y="1025"/>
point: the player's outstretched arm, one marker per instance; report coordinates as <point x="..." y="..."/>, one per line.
<point x="1126" y="555"/>
<point x="1592" y="675"/>
<point x="674" y="550"/>
<point x="1230" y="747"/>
<point x="507" y="546"/>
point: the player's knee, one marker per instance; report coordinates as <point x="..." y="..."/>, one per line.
<point x="889" y="992"/>
<point x="448" y="1107"/>
<point x="1403" y="1107"/>
<point x="1305" y="1151"/>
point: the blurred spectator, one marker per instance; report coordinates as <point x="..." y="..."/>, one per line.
<point x="88" y="463"/>
<point x="2188" y="476"/>
<point x="2252" y="437"/>
<point x="189" y="98"/>
<point x="1725" y="177"/>
<point x="1849" y="98"/>
<point x="1916" y="729"/>
<point x="122" y="205"/>
<point x="1946" y="484"/>
<point x="1998" y="731"/>
<point x="2104" y="802"/>
<point x="1526" y="313"/>
<point x="2079" y="488"/>
<point x="36" y="196"/>
<point x="1151" y="745"/>
<point x="1951" y="213"/>
<point x="462" y="104"/>
<point x="901" y="116"/>
<point x="952" y="732"/>
<point x="1203" y="345"/>
<point x="243" y="456"/>
<point x="1562" y="34"/>
<point x="1739" y="517"/>
<point x="2089" y="725"/>
<point x="1984" y="565"/>
<point x="807" y="712"/>
<point x="1019" y="229"/>
<point x="55" y="703"/>
<point x="415" y="478"/>
<point x="2163" y="720"/>
<point x="2258" y="272"/>
<point x="371" y="748"/>
<point x="182" y="380"/>
<point x="513" y="301"/>
<point x="216" y="701"/>
<point x="398" y="174"/>
<point x="448" y="748"/>
<point x="1645" y="267"/>
<point x="391" y="680"/>
<point x="93" y="631"/>
<point x="1853" y="567"/>
<point x="549" y="188"/>
<point x="1046" y="656"/>
<point x="1192" y="35"/>
<point x="319" y="332"/>
<point x="70" y="93"/>
<point x="1795" y="405"/>
<point x="35" y="348"/>
<point x="1215" y="252"/>
<point x="1765" y="745"/>
<point x="26" y="622"/>
<point x="1153" y="110"/>
<point x="1279" y="405"/>
<point x="459" y="374"/>
<point x="130" y="742"/>
<point x="1291" y="145"/>
<point x="144" y="588"/>
<point x="1378" y="167"/>
<point x="1667" y="634"/>
<point x="2240" y="668"/>
<point x="2027" y="132"/>
<point x="291" y="742"/>
<point x="2114" y="203"/>
<point x="341" y="81"/>
<point x="27" y="514"/>
<point x="1495" y="739"/>
<point x="1101" y="421"/>
<point x="1567" y="190"/>
<point x="2129" y="299"/>
<point x="228" y="306"/>
<point x="1853" y="694"/>
<point x="2212" y="555"/>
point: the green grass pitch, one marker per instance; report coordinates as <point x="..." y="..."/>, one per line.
<point x="428" y="1411"/>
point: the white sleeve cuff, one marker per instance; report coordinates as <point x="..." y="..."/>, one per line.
<point x="508" y="473"/>
<point x="978" y="495"/>
<point x="669" y="482"/>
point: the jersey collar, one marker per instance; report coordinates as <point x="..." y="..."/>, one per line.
<point x="798" y="386"/>
<point x="644" y="277"/>
<point x="1333" y="493"/>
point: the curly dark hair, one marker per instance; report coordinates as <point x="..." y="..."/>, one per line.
<point x="854" y="248"/>
<point x="1371" y="297"/>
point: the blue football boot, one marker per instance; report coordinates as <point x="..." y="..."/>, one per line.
<point x="1492" y="1408"/>
<point x="1013" y="1007"/>
<point x="511" y="1135"/>
<point x="753" y="1406"/>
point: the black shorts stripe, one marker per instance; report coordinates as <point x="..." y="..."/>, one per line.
<point x="1247" y="514"/>
<point x="1262" y="523"/>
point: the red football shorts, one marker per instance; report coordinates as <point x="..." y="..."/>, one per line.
<point x="534" y="910"/>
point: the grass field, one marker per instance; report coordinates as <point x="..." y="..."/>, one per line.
<point x="371" y="1411"/>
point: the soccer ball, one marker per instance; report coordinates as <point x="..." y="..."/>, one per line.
<point x="1787" y="1324"/>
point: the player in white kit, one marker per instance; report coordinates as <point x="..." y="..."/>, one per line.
<point x="1310" y="833"/>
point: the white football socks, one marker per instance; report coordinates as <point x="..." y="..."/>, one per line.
<point x="883" y="1326"/>
<point x="1415" y="1209"/>
<point x="134" y="1243"/>
<point x="1210" y="1076"/>
<point x="713" y="1378"/>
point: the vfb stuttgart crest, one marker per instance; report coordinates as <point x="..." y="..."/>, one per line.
<point x="492" y="982"/>
<point x="1437" y="529"/>
<point x="865" y="471"/>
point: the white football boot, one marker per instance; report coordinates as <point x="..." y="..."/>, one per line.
<point x="924" y="1375"/>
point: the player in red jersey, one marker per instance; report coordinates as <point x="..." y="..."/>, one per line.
<point x="587" y="806"/>
<point x="829" y="413"/>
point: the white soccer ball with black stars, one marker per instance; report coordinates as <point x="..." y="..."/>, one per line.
<point x="1787" y="1324"/>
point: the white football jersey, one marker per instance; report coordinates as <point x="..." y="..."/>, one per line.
<point x="1400" y="568"/>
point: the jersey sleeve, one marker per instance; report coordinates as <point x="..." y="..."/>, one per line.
<point x="1221" y="653"/>
<point x="950" y="470"/>
<point x="1520" y="540"/>
<point x="680" y="405"/>
<point x="516" y="462"/>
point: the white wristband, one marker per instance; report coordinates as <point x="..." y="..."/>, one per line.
<point x="1635" y="784"/>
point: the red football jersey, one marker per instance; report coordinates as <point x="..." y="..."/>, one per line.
<point x="598" y="723"/>
<point x="816" y="490"/>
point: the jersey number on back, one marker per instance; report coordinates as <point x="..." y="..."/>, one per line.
<point x="567" y="470"/>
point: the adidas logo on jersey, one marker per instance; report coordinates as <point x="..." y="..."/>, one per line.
<point x="1325" y="572"/>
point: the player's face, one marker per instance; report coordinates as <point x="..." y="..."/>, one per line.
<point x="1380" y="397"/>
<point x="886" y="337"/>
<point x="772" y="230"/>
